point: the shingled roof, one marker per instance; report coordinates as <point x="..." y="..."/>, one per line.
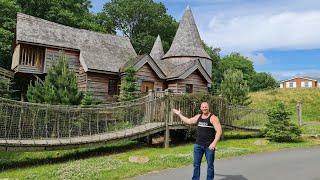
<point x="157" y="49"/>
<point x="184" y="70"/>
<point x="98" y="51"/>
<point x="187" y="41"/>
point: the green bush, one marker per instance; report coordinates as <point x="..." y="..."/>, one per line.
<point x="90" y="99"/>
<point x="279" y="128"/>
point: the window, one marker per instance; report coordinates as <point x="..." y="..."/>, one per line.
<point x="112" y="87"/>
<point x="290" y="84"/>
<point x="189" y="88"/>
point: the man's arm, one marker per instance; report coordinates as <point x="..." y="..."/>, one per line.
<point x="217" y="126"/>
<point x="192" y="120"/>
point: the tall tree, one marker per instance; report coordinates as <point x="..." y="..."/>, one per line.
<point x="8" y="11"/>
<point x="74" y="13"/>
<point x="142" y="21"/>
<point x="59" y="87"/>
<point x="239" y="62"/>
<point x="234" y="88"/>
<point x="217" y="74"/>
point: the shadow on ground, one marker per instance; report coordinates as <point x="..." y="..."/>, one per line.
<point x="230" y="177"/>
<point x="12" y="160"/>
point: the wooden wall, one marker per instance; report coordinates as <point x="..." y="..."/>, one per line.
<point x="52" y="56"/>
<point x="98" y="83"/>
<point x="82" y="79"/>
<point x="145" y="73"/>
<point x="196" y="79"/>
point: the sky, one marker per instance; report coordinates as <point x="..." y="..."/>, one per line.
<point x="281" y="37"/>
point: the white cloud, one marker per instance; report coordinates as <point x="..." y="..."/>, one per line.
<point x="256" y="58"/>
<point x="256" y="32"/>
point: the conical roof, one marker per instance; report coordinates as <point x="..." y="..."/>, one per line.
<point x="157" y="49"/>
<point x="187" y="41"/>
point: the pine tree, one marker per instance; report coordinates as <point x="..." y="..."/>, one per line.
<point x="279" y="128"/>
<point x="128" y="89"/>
<point x="234" y="88"/>
<point x="89" y="99"/>
<point x="60" y="86"/>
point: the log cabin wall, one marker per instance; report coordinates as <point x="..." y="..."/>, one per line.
<point x="100" y="85"/>
<point x="146" y="73"/>
<point x="196" y="80"/>
<point x="52" y="55"/>
<point x="82" y="80"/>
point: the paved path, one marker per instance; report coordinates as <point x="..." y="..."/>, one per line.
<point x="296" y="164"/>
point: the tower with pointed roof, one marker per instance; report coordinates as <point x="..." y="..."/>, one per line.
<point x="157" y="49"/>
<point x="187" y="44"/>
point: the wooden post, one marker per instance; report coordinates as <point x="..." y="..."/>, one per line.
<point x="168" y="115"/>
<point x="299" y="113"/>
<point x="20" y="121"/>
<point x="150" y="105"/>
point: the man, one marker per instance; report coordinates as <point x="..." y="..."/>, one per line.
<point x="208" y="134"/>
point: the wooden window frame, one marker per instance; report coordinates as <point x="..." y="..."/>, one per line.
<point x="189" y="88"/>
<point x="112" y="87"/>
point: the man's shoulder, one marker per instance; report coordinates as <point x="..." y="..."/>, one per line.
<point x="213" y="117"/>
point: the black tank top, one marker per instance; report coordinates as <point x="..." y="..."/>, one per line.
<point x="205" y="131"/>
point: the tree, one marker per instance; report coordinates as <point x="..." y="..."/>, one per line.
<point x="59" y="87"/>
<point x="128" y="88"/>
<point x="74" y="13"/>
<point x="217" y="74"/>
<point x="5" y="85"/>
<point x="8" y="11"/>
<point x="142" y="21"/>
<point x="239" y="62"/>
<point x="279" y="128"/>
<point x="234" y="88"/>
<point x="261" y="81"/>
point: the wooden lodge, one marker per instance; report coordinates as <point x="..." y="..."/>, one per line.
<point x="99" y="59"/>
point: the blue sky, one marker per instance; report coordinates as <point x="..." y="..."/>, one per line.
<point x="280" y="36"/>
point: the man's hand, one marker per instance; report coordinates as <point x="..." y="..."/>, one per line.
<point x="212" y="146"/>
<point x="177" y="112"/>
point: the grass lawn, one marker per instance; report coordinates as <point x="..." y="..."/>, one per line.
<point x="111" y="162"/>
<point x="311" y="129"/>
<point x="310" y="99"/>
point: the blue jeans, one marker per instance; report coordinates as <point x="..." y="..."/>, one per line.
<point x="198" y="152"/>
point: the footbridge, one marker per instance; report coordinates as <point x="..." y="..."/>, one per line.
<point x="35" y="127"/>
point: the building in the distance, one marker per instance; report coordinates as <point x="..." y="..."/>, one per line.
<point x="300" y="82"/>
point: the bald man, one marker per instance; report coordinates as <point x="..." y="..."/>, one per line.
<point x="208" y="134"/>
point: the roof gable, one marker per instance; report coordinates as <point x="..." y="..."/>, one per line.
<point x="182" y="72"/>
<point x="140" y="61"/>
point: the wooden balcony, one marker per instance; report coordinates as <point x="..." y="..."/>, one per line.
<point x="28" y="59"/>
